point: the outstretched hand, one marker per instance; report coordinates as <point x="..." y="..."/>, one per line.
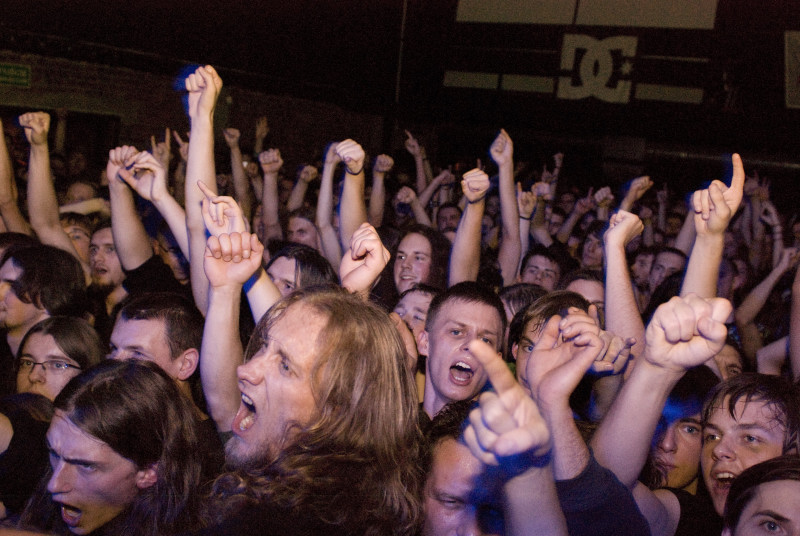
<point x="507" y="422"/>
<point x="270" y="161"/>
<point x="148" y="178"/>
<point x="221" y="213"/>
<point x="716" y="205"/>
<point x="230" y="259"/>
<point x="475" y="184"/>
<point x="502" y="149"/>
<point x="622" y="228"/>
<point x="352" y="154"/>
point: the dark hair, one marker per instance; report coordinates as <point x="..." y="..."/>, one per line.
<point x="138" y="411"/>
<point x="535" y="315"/>
<point x="311" y="268"/>
<point x="776" y="392"/>
<point x="469" y="292"/>
<point x="355" y="465"/>
<point x="581" y="274"/>
<point x="744" y="486"/>
<point x="449" y="423"/>
<point x="674" y="251"/>
<point x="541" y="251"/>
<point x="440" y="254"/>
<point x="51" y="279"/>
<point x="74" y="336"/>
<point x="421" y="288"/>
<point x="8" y="240"/>
<point x="183" y="323"/>
<point x="75" y="218"/>
<point x="518" y="296"/>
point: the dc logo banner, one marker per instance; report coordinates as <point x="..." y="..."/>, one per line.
<point x="599" y="68"/>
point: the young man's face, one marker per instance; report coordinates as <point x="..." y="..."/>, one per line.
<point x="106" y="268"/>
<point x="303" y="232"/>
<point x="145" y="340"/>
<point x="15" y="315"/>
<point x="665" y="264"/>
<point x="42" y="349"/>
<point x="452" y="373"/>
<point x="640" y="269"/>
<point x="447" y="219"/>
<point x="282" y="273"/>
<point x="413" y="310"/>
<point x="541" y="271"/>
<point x="91" y="481"/>
<point x="731" y="445"/>
<point x="456" y="500"/>
<point x="412" y="264"/>
<point x="276" y="386"/>
<point x="773" y="509"/>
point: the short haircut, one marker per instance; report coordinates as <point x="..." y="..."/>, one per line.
<point x="674" y="251"/>
<point x="467" y="292"/>
<point x="183" y="323"/>
<point x="421" y="288"/>
<point x="77" y="219"/>
<point x="104" y="223"/>
<point x="581" y="274"/>
<point x="518" y="296"/>
<point x="541" y="251"/>
<point x="74" y="336"/>
<point x="310" y="269"/>
<point x="744" y="486"/>
<point x="539" y="312"/>
<point x="51" y="279"/>
<point x="776" y="392"/>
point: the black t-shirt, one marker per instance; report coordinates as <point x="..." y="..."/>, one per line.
<point x="25" y="460"/>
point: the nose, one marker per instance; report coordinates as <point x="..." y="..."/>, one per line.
<point x="4" y="288"/>
<point x="667" y="443"/>
<point x="36" y="375"/>
<point x="723" y="450"/>
<point x="252" y="371"/>
<point x="469" y="524"/>
<point x="61" y="480"/>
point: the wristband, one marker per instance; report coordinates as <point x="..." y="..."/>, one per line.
<point x="524" y="218"/>
<point x="347" y="170"/>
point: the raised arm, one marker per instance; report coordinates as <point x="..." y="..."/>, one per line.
<point x="794" y="328"/>
<point x="526" y="203"/>
<point x="603" y="198"/>
<point x="125" y="164"/>
<point x="408" y="196"/>
<point x="418" y="153"/>
<point x="502" y="151"/>
<point x="9" y="209"/>
<point x="271" y="162"/>
<point x="466" y="253"/>
<point x="507" y="431"/>
<point x="684" y="332"/>
<point x="364" y="261"/>
<point x="262" y="129"/>
<point x="636" y="190"/>
<point x="377" y="199"/>
<point x="352" y="212"/>
<point x="42" y="202"/>
<point x="713" y="209"/>
<point x="204" y="86"/>
<point x="622" y="313"/>
<point x="298" y="195"/>
<point x="241" y="186"/>
<point x="230" y="260"/>
<point x="582" y="206"/>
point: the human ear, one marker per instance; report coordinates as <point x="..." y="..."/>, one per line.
<point x="189" y="360"/>
<point x="147" y="477"/>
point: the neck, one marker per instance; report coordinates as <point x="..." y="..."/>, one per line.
<point x="15" y="335"/>
<point x="114" y="297"/>
<point x="432" y="403"/>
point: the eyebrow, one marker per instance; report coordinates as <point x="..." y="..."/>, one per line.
<point x="71" y="461"/>
<point x="774" y="515"/>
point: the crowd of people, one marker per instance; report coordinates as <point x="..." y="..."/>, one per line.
<point x="427" y="353"/>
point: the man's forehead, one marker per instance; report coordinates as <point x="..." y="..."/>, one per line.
<point x="541" y="260"/>
<point x="747" y="411"/>
<point x="460" y="310"/>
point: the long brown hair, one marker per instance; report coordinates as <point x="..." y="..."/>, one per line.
<point x="353" y="467"/>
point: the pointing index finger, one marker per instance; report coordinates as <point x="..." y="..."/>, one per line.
<point x="499" y="374"/>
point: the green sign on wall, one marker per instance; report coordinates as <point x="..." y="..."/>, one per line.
<point x="12" y="74"/>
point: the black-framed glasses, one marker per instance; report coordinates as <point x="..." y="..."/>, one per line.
<point x="54" y="365"/>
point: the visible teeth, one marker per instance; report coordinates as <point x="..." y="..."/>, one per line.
<point x="462" y="365"/>
<point x="247" y="401"/>
<point x="246" y="422"/>
<point x="724" y="476"/>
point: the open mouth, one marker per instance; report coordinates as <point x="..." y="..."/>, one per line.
<point x="70" y="515"/>
<point x="461" y="373"/>
<point x="722" y="482"/>
<point x="246" y="416"/>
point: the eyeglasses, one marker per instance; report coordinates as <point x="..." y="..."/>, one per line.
<point x="55" y="366"/>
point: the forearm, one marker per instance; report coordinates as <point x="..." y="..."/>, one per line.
<point x="531" y="504"/>
<point x="570" y="454"/>
<point x="9" y="209"/>
<point x="220" y="354"/>
<point x="241" y="186"/>
<point x="622" y="313"/>
<point x="130" y="239"/>
<point x="794" y="330"/>
<point x="42" y="201"/>
<point x="566" y="228"/>
<point x="422" y="179"/>
<point x="686" y="236"/>
<point x="377" y="199"/>
<point x="770" y="358"/>
<point x="756" y="299"/>
<point x="261" y="294"/>
<point x="353" y="212"/>
<point x="509" y="254"/>
<point x="426" y="194"/>
<point x="622" y="442"/>
<point x="175" y="217"/>
<point x="702" y="270"/>
<point x="269" y="208"/>
<point x="297" y="196"/>
<point x="466" y="252"/>
<point x="420" y="215"/>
